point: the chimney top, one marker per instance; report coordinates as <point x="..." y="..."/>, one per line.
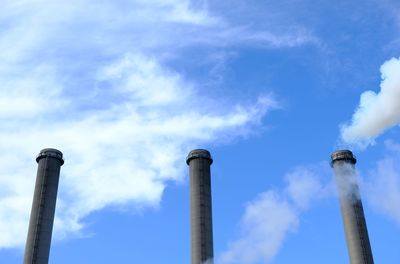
<point x="50" y="152"/>
<point x="343" y="155"/>
<point x="199" y="153"/>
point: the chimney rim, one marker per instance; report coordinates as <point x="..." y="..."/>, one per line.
<point x="199" y="153"/>
<point x="343" y="155"/>
<point x="50" y="152"/>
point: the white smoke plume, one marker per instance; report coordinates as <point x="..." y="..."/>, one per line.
<point x="271" y="216"/>
<point x="346" y="181"/>
<point x="377" y="111"/>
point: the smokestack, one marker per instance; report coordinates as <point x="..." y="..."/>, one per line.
<point x="201" y="246"/>
<point x="343" y="162"/>
<point x="43" y="207"/>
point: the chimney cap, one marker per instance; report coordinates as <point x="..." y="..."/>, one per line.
<point x="199" y="153"/>
<point x="343" y="155"/>
<point x="50" y="152"/>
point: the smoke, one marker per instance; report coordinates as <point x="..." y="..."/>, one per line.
<point x="377" y="111"/>
<point x="263" y="233"/>
<point x="346" y="181"/>
<point x="271" y="216"/>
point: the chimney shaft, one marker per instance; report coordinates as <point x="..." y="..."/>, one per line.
<point x="355" y="227"/>
<point x="43" y="207"/>
<point x="201" y="231"/>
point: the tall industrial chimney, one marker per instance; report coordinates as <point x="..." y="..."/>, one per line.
<point x="201" y="232"/>
<point x="343" y="162"/>
<point x="43" y="207"/>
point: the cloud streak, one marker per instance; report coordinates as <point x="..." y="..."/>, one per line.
<point x="94" y="80"/>
<point x="121" y="153"/>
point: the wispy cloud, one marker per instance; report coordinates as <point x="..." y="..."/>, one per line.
<point x="271" y="216"/>
<point x="56" y="29"/>
<point x="123" y="151"/>
<point x="92" y="79"/>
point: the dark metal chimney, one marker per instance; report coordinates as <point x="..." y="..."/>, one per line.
<point x="343" y="163"/>
<point x="201" y="232"/>
<point x="43" y="207"/>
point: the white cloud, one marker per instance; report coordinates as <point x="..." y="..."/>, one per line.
<point x="26" y="95"/>
<point x="377" y="111"/>
<point x="121" y="153"/>
<point x="271" y="216"/>
<point x="56" y="30"/>
<point x="91" y="78"/>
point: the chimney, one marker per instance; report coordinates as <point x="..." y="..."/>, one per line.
<point x="43" y="207"/>
<point x="343" y="163"/>
<point x="199" y="161"/>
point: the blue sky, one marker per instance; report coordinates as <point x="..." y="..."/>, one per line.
<point x="125" y="89"/>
